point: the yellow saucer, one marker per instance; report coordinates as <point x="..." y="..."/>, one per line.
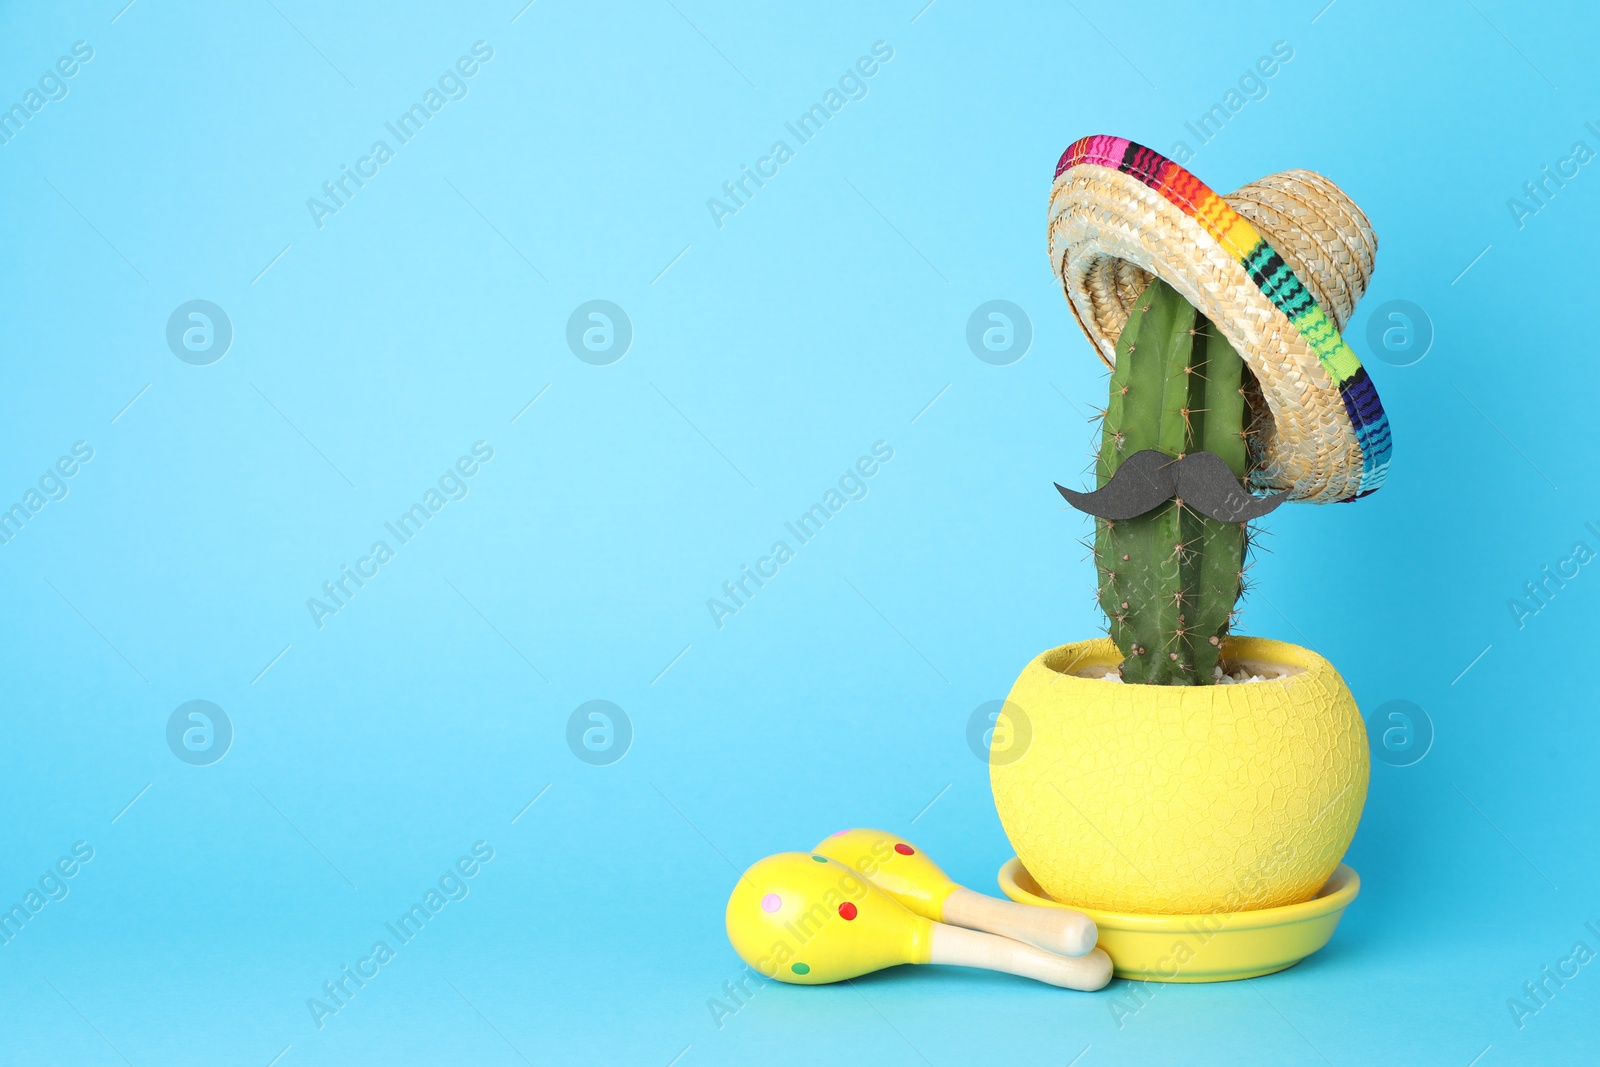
<point x="1206" y="948"/>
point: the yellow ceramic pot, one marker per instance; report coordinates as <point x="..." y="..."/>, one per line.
<point x="1180" y="799"/>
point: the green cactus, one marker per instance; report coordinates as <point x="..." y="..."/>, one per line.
<point x="1170" y="579"/>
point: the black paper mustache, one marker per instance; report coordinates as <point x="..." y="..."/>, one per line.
<point x="1148" y="479"/>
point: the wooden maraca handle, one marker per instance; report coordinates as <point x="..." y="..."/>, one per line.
<point x="972" y="948"/>
<point x="1057" y="930"/>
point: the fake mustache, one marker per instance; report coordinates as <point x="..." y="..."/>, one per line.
<point x="1147" y="479"/>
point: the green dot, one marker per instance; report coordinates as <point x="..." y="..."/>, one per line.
<point x="800" y="968"/>
<point x="820" y="859"/>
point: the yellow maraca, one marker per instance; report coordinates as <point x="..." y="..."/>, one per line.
<point x="803" y="918"/>
<point x="900" y="869"/>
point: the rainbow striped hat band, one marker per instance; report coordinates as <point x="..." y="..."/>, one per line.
<point x="1121" y="213"/>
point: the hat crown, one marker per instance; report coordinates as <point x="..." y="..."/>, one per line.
<point x="1318" y="231"/>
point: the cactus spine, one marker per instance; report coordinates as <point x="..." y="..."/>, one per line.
<point x="1170" y="579"/>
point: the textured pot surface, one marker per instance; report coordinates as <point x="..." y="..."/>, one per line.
<point x="1151" y="798"/>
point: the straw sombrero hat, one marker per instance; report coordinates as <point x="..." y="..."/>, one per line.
<point x="1278" y="266"/>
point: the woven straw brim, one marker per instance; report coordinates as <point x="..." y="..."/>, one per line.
<point x="1109" y="232"/>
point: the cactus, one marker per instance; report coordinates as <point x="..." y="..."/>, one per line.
<point x="1170" y="579"/>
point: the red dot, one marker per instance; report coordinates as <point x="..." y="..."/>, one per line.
<point x="904" y="849"/>
<point x="847" y="910"/>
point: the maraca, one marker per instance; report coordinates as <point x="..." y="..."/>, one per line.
<point x="807" y="919"/>
<point x="901" y="870"/>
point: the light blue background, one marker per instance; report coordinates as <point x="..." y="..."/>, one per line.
<point x="768" y="355"/>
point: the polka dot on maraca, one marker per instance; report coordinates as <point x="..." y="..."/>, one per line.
<point x="800" y="968"/>
<point x="904" y="849"/>
<point x="820" y="859"/>
<point x="771" y="902"/>
<point x="847" y="911"/>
